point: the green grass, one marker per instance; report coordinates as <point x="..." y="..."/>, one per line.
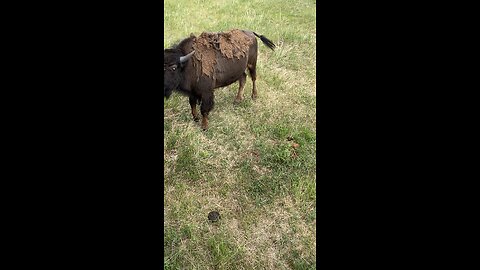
<point x="246" y="165"/>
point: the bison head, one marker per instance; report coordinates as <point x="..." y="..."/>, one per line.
<point x="174" y="62"/>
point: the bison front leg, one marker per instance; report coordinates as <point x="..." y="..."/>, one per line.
<point x="241" y="82"/>
<point x="207" y="106"/>
<point x="193" y="104"/>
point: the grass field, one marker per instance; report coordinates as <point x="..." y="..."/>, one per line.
<point x="256" y="163"/>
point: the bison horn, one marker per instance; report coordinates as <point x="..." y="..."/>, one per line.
<point x="185" y="58"/>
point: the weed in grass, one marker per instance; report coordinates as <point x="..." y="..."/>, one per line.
<point x="225" y="254"/>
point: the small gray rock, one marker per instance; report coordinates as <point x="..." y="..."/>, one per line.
<point x="213" y="216"/>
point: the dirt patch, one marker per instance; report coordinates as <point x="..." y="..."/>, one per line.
<point x="232" y="44"/>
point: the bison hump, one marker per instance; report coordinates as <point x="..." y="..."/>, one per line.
<point x="232" y="44"/>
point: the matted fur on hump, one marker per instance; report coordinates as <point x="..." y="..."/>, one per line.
<point x="232" y="44"/>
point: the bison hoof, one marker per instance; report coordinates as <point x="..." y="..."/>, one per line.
<point x="254" y="97"/>
<point x="237" y="101"/>
<point x="204" y="127"/>
<point x="196" y="119"/>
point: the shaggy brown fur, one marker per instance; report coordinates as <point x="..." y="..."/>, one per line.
<point x="234" y="43"/>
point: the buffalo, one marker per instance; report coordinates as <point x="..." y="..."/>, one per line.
<point x="198" y="65"/>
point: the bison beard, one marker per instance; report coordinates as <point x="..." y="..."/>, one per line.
<point x="198" y="65"/>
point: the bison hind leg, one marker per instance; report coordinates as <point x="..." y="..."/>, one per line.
<point x="241" y="81"/>
<point x="253" y="74"/>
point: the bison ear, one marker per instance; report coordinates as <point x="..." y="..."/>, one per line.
<point x="185" y="58"/>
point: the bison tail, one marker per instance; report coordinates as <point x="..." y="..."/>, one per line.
<point x="266" y="41"/>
